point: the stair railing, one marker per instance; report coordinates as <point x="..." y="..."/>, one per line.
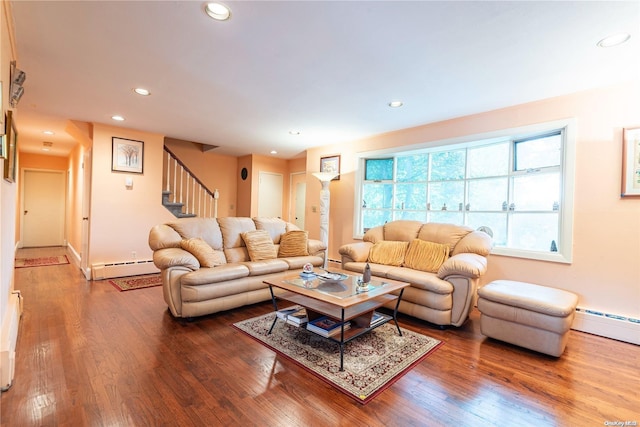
<point x="186" y="189"/>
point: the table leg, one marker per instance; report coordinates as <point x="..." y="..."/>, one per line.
<point x="275" y="309"/>
<point x="395" y="312"/>
<point x="342" y="343"/>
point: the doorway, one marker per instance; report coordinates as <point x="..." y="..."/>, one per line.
<point x="297" y="197"/>
<point x="43" y="208"/>
<point x="270" y="195"/>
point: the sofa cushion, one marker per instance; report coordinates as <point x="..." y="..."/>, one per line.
<point x="207" y="276"/>
<point x="259" y="245"/>
<point x="421" y="280"/>
<point x="232" y="228"/>
<point x="266" y="266"/>
<point x="388" y="253"/>
<point x="448" y="234"/>
<point x="402" y="230"/>
<point x="426" y="256"/>
<point x="275" y="226"/>
<point x="204" y="253"/>
<point x="294" y="243"/>
<point x="205" y="228"/>
<point x="300" y="261"/>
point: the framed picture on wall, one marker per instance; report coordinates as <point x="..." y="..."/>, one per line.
<point x="631" y="162"/>
<point x="127" y="155"/>
<point x="330" y="164"/>
<point x="10" y="147"/>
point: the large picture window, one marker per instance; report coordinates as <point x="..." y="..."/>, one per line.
<point x="519" y="184"/>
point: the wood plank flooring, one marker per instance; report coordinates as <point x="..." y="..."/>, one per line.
<point x="89" y="355"/>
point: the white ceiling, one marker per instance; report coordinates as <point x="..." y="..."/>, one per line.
<point x="327" y="69"/>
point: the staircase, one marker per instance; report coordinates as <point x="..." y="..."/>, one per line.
<point x="183" y="194"/>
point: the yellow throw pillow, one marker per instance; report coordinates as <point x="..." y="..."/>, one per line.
<point x="388" y="253"/>
<point x="259" y="245"/>
<point x="205" y="254"/>
<point x="426" y="256"/>
<point x="293" y="243"/>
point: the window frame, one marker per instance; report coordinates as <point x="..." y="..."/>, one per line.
<point x="567" y="176"/>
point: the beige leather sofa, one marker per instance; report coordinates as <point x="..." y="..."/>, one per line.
<point x="442" y="262"/>
<point x="209" y="265"/>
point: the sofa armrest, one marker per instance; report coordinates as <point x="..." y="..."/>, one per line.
<point x="355" y="252"/>
<point x="465" y="264"/>
<point x="316" y="247"/>
<point x="173" y="257"/>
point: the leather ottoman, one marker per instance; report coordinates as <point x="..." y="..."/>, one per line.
<point x="527" y="315"/>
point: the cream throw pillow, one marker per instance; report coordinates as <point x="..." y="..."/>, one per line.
<point x="293" y="243"/>
<point x="426" y="256"/>
<point x="204" y="253"/>
<point x="259" y="245"/>
<point x="388" y="253"/>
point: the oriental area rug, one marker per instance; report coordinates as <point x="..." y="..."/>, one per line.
<point x="41" y="261"/>
<point x="372" y="362"/>
<point x="136" y="282"/>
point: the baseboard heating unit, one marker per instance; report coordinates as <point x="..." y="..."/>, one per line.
<point x="608" y="325"/>
<point x="8" y="339"/>
<point x="101" y="271"/>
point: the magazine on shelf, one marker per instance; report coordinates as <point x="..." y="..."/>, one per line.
<point x="298" y="318"/>
<point x="377" y="318"/>
<point x="326" y="326"/>
<point x="282" y="314"/>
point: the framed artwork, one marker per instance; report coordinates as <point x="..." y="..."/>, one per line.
<point x="10" y="147"/>
<point x="631" y="162"/>
<point x="330" y="164"/>
<point x="127" y="155"/>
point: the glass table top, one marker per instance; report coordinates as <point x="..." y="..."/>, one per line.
<point x="338" y="285"/>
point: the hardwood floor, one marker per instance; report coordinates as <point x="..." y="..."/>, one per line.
<point x="89" y="355"/>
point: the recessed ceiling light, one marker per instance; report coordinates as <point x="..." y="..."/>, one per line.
<point x="274" y="152"/>
<point x="142" y="91"/>
<point x="294" y="132"/>
<point x="217" y="11"/>
<point x="614" y="40"/>
<point x="395" y="104"/>
<point x="118" y="118"/>
<point x="48" y="132"/>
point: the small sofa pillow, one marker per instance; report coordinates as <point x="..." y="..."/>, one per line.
<point x="426" y="256"/>
<point x="204" y="253"/>
<point x="293" y="243"/>
<point x="259" y="245"/>
<point x="388" y="253"/>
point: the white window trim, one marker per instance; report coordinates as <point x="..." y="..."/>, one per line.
<point x="565" y="249"/>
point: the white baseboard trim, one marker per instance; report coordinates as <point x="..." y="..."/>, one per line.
<point x="112" y="270"/>
<point x="8" y="338"/>
<point x="74" y="254"/>
<point x="607" y="325"/>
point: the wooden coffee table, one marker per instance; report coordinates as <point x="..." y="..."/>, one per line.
<point x="340" y="299"/>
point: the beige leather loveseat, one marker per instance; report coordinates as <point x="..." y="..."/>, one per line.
<point x="442" y="262"/>
<point x="209" y="265"/>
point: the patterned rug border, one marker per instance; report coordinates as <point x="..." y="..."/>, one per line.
<point x="360" y="399"/>
<point x="47" y="264"/>
<point x="136" y="279"/>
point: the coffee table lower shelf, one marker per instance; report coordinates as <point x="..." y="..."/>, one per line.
<point x="359" y="315"/>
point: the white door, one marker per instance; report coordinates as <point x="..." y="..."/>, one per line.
<point x="43" y="212"/>
<point x="299" y="191"/>
<point x="270" y="195"/>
